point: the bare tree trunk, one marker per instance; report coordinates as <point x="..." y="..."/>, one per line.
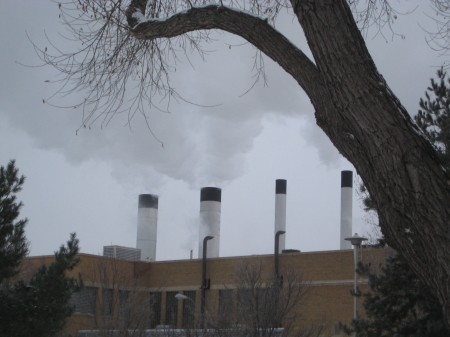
<point x="361" y="116"/>
<point x="370" y="127"/>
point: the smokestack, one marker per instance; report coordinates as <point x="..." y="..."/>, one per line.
<point x="147" y="226"/>
<point x="210" y="205"/>
<point x="346" y="208"/>
<point x="280" y="211"/>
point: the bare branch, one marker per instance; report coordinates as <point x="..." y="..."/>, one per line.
<point x="439" y="37"/>
<point x="119" y="69"/>
<point x="375" y="14"/>
<point x="264" y="304"/>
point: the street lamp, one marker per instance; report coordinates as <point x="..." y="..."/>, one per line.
<point x="188" y="306"/>
<point x="180" y="296"/>
<point x="356" y="241"/>
<point x="205" y="283"/>
<point x="277" y="245"/>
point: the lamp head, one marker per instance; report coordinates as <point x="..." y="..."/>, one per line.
<point x="180" y="296"/>
<point x="356" y="240"/>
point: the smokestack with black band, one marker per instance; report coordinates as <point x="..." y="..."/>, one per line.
<point x="280" y="211"/>
<point x="210" y="205"/>
<point x="147" y="226"/>
<point x="346" y="208"/>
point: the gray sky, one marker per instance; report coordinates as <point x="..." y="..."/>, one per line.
<point x="89" y="183"/>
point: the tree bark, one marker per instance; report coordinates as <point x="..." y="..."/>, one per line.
<point x="362" y="117"/>
<point x="370" y="127"/>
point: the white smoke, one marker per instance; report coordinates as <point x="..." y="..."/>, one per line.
<point x="200" y="145"/>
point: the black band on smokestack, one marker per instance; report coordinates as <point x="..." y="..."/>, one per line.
<point x="210" y="194"/>
<point x="148" y="201"/>
<point x="346" y="179"/>
<point x="280" y="186"/>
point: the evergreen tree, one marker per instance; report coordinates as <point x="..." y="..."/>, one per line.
<point x="434" y="116"/>
<point x="13" y="244"/>
<point x="398" y="304"/>
<point x="35" y="306"/>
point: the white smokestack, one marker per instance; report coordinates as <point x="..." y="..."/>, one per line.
<point x="346" y="208"/>
<point x="280" y="211"/>
<point x="210" y="205"/>
<point x="147" y="226"/>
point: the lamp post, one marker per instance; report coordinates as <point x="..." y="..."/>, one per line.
<point x="190" y="309"/>
<point x="277" y="245"/>
<point x="205" y="282"/>
<point x="356" y="241"/>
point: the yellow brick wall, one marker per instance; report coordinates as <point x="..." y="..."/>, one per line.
<point x="329" y="276"/>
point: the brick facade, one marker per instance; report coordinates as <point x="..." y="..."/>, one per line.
<point x="148" y="288"/>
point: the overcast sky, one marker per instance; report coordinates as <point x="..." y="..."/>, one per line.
<point x="89" y="182"/>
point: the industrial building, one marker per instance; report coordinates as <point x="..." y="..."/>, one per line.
<point x="128" y="289"/>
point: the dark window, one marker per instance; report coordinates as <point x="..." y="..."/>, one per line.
<point x="107" y="302"/>
<point x="225" y="302"/>
<point x="189" y="309"/>
<point x="155" y="309"/>
<point x="258" y="307"/>
<point x="84" y="301"/>
<point x="244" y="305"/>
<point x="124" y="304"/>
<point x="171" y="308"/>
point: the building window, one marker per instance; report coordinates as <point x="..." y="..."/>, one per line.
<point x="171" y="308"/>
<point x="226" y="302"/>
<point x="244" y="305"/>
<point x="189" y="309"/>
<point x="124" y="304"/>
<point x="107" y="302"/>
<point x="155" y="309"/>
<point x="84" y="301"/>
